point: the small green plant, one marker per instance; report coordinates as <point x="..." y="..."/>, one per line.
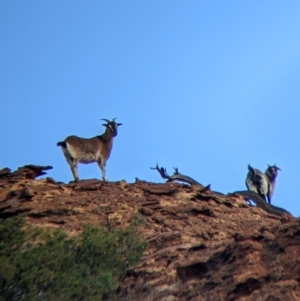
<point x="38" y="264"/>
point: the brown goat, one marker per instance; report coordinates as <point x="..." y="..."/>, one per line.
<point x="89" y="150"/>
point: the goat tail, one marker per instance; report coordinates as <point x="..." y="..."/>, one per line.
<point x="62" y="143"/>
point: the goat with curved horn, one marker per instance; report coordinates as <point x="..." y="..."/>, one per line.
<point x="88" y="150"/>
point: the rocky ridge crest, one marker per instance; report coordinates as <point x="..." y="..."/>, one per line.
<point x="202" y="245"/>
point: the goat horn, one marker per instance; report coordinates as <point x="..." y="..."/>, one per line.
<point x="105" y="120"/>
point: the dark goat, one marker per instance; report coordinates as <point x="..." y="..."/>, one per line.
<point x="262" y="183"/>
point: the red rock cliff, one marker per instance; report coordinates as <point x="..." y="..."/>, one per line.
<point x="201" y="245"/>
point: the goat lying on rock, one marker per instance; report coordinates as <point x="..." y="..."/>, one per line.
<point x="88" y="150"/>
<point x="262" y="183"/>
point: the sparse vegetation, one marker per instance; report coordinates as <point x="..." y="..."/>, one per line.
<point x="41" y="264"/>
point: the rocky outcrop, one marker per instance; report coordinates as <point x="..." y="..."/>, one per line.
<point x="201" y="245"/>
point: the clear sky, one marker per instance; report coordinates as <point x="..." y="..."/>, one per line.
<point x="205" y="86"/>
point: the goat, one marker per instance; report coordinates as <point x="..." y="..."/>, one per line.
<point x="89" y="150"/>
<point x="271" y="173"/>
<point x="262" y="183"/>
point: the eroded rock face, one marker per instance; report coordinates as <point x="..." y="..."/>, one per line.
<point x="201" y="245"/>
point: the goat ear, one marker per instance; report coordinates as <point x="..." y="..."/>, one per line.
<point x="118" y="124"/>
<point x="104" y="124"/>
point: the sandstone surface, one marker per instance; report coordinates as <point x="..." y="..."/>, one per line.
<point x="202" y="245"/>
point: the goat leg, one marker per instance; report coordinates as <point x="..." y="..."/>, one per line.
<point x="74" y="172"/>
<point x="103" y="171"/>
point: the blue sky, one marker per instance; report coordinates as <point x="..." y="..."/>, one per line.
<point x="205" y="86"/>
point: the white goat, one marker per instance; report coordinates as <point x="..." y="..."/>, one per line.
<point x="88" y="150"/>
